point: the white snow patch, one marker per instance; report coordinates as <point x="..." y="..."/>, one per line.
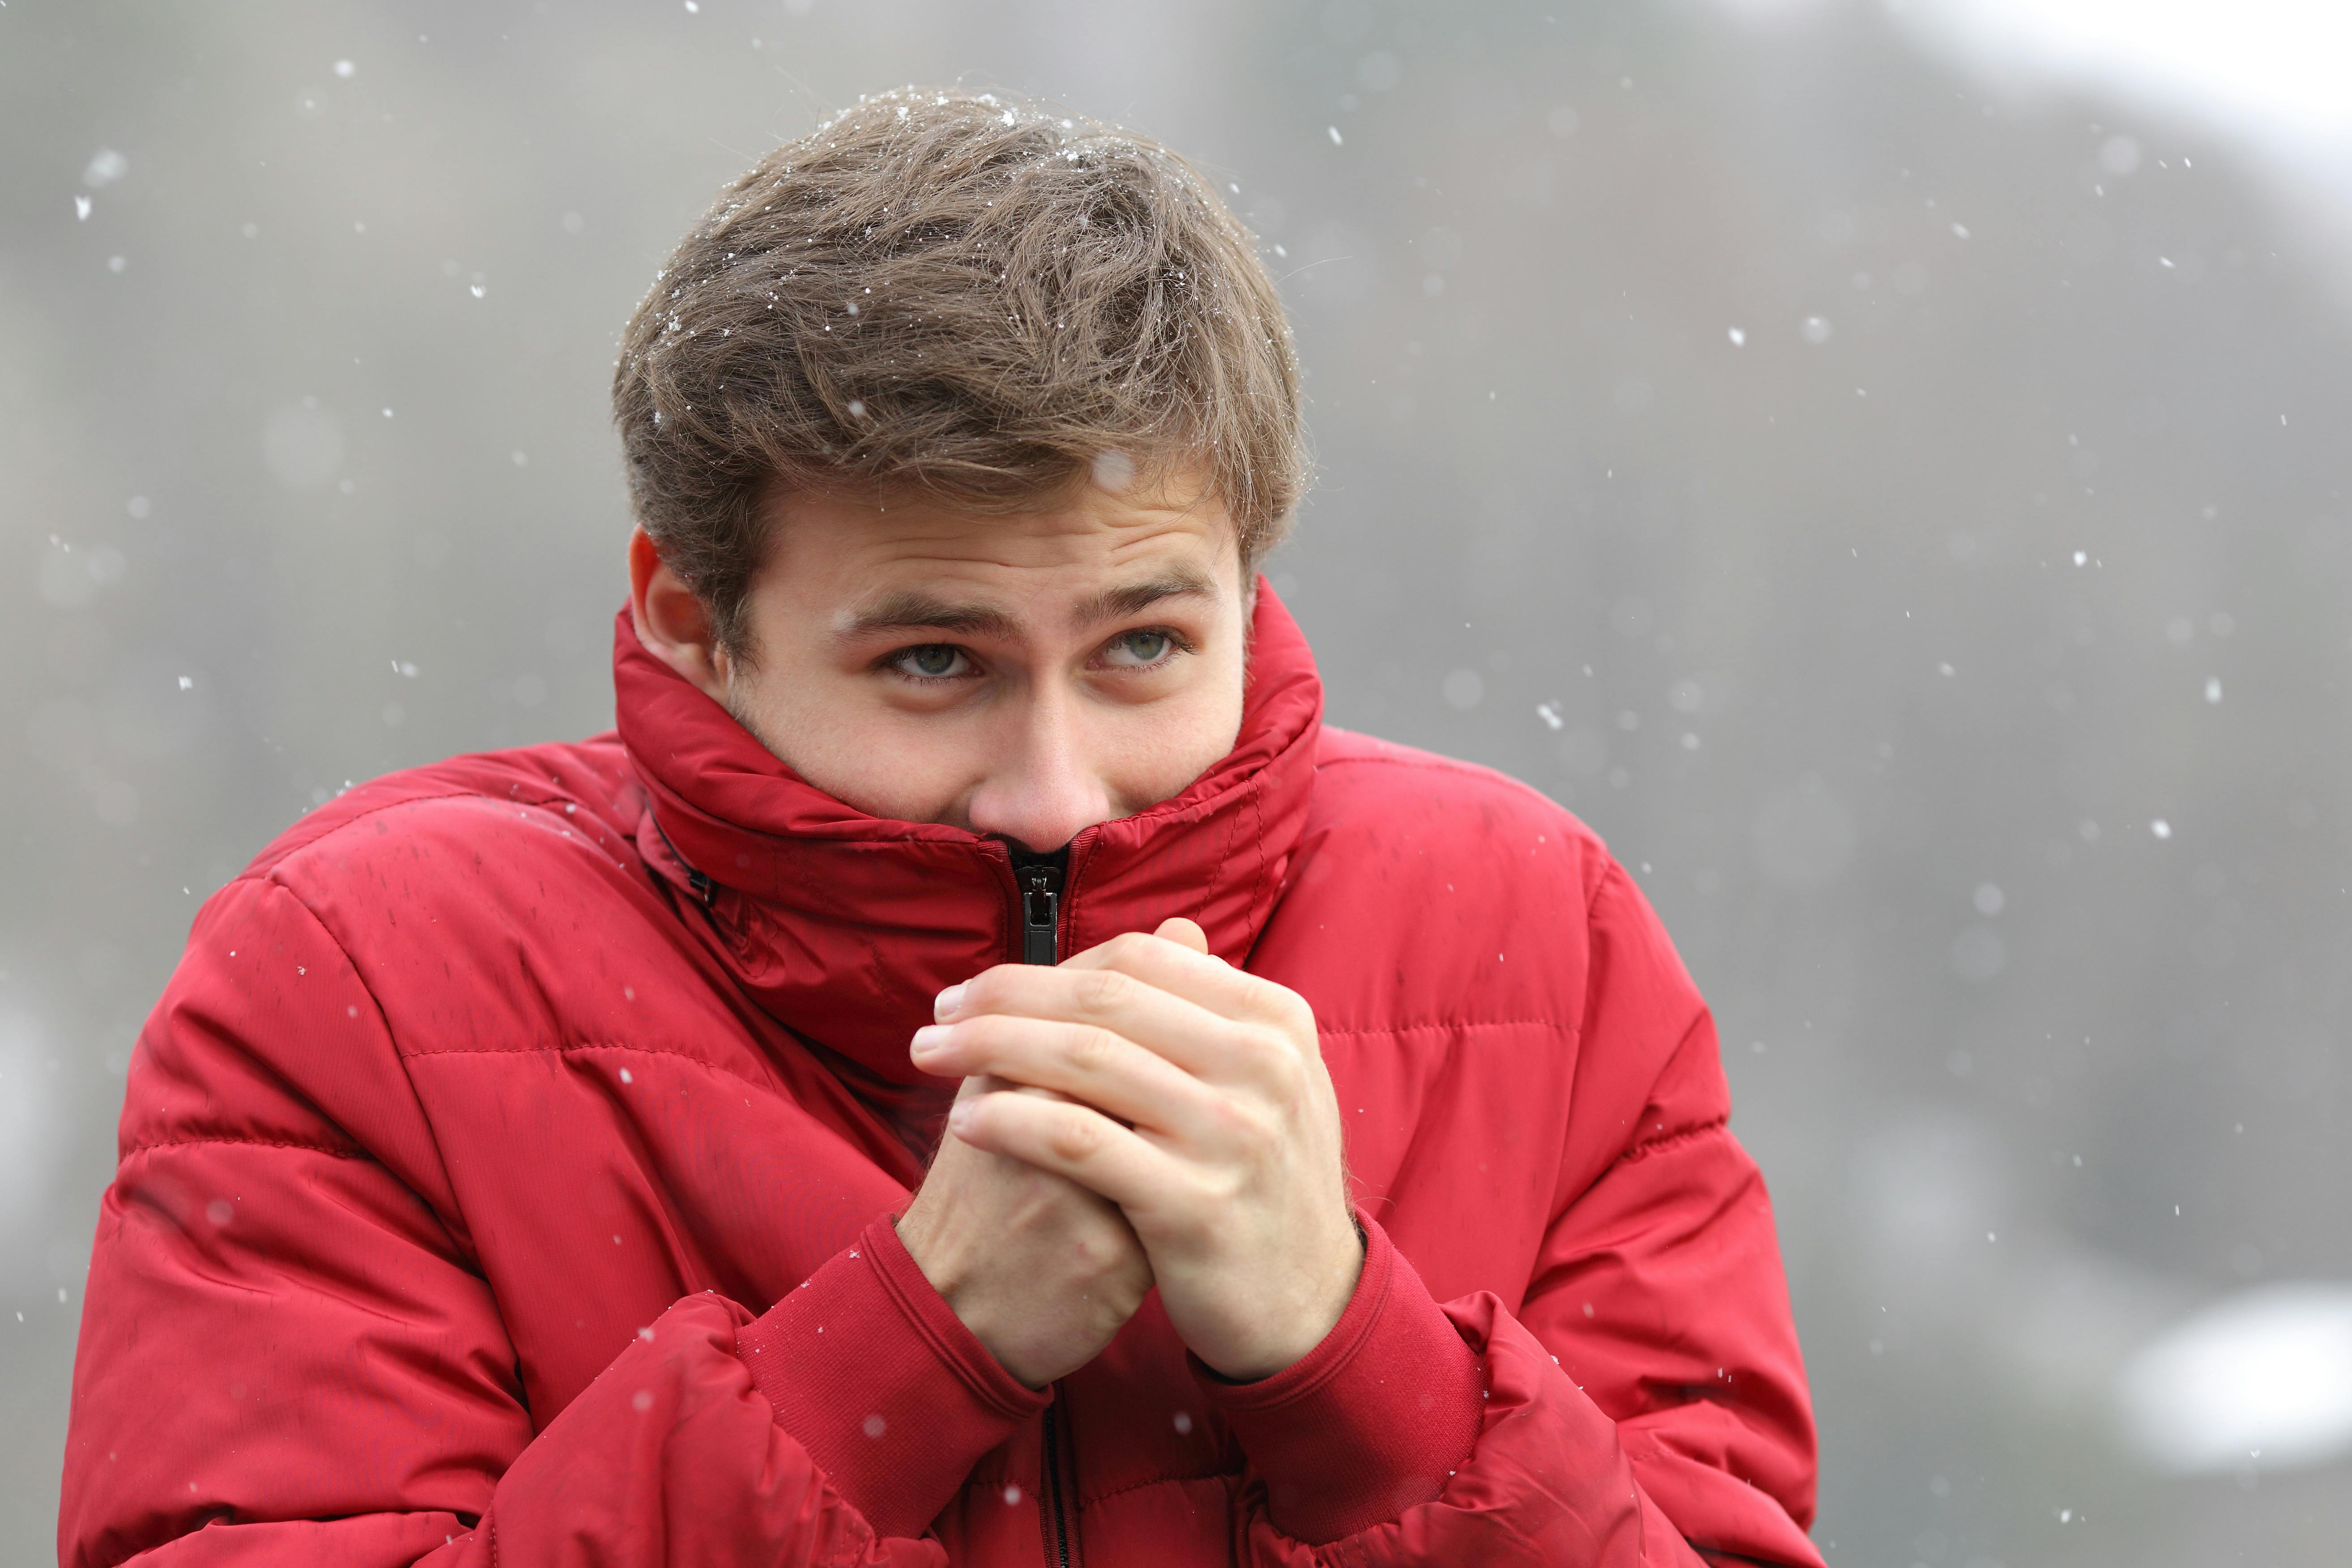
<point x="2263" y="1377"/>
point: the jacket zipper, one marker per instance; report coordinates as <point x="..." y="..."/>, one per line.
<point x="1038" y="907"/>
<point x="1060" y="1546"/>
<point x="1038" y="926"/>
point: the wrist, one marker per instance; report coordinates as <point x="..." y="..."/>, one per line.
<point x="1324" y="1291"/>
<point x="929" y="1248"/>
<point x="944" y="1267"/>
<point x="1373" y="1420"/>
<point x="897" y="1401"/>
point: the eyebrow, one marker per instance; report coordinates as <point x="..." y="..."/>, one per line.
<point x="912" y="609"/>
<point x="1118" y="603"/>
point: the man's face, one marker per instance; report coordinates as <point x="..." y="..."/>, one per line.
<point x="1026" y="676"/>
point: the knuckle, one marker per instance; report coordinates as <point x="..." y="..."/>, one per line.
<point x="1231" y="1186"/>
<point x="1291" y="1074"/>
<point x="1194" y="1223"/>
<point x="1278" y="1067"/>
<point x="1128" y="945"/>
<point x="1258" y="1130"/>
<point x="1100" y="991"/>
<point x="1074" y="1138"/>
<point x="1281" y="1006"/>
<point x="1091" y="1049"/>
<point x="1244" y="1127"/>
<point x="1297" y="1015"/>
<point x="983" y="990"/>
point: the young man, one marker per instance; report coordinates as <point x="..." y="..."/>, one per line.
<point x="973" y="1071"/>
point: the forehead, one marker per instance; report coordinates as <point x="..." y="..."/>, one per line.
<point x="860" y="547"/>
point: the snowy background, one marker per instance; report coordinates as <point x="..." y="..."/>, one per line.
<point x="1882" y="464"/>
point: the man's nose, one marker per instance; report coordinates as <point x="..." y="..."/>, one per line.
<point x="1046" y="789"/>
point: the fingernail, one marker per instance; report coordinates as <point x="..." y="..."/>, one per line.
<point x="928" y="1038"/>
<point x="959" y="1115"/>
<point x="944" y="1006"/>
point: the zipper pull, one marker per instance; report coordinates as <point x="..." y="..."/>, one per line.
<point x="1041" y="913"/>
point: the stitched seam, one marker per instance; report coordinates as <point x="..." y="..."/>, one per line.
<point x="589" y="1045"/>
<point x="1641" y="1527"/>
<point x="814" y="840"/>
<point x="1263" y="896"/>
<point x="247" y="1144"/>
<point x="651" y="783"/>
<point x="1435" y="764"/>
<point x="1666" y="1140"/>
<point x="1210" y="877"/>
<point x="1450" y="1024"/>
<point x="392" y="1038"/>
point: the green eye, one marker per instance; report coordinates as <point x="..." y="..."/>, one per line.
<point x="932" y="661"/>
<point x="1133" y="651"/>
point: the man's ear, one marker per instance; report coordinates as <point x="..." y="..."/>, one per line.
<point x="672" y="622"/>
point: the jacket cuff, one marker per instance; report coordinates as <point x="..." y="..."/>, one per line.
<point x="1371" y="1422"/>
<point x="867" y="1368"/>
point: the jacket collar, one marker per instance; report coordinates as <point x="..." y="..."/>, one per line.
<point x="844" y="926"/>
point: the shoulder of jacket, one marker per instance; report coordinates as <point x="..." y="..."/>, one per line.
<point x="467" y="802"/>
<point x="1429" y="891"/>
<point x="1365" y="785"/>
<point x="486" y="897"/>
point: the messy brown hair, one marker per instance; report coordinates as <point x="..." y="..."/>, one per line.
<point x="962" y="296"/>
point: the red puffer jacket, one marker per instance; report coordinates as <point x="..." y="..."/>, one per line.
<point x="507" y="1172"/>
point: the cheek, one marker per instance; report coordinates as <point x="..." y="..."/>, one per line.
<point x="1154" y="751"/>
<point x="916" y="780"/>
<point x="830" y="731"/>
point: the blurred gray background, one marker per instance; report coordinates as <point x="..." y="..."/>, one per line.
<point x="1881" y="465"/>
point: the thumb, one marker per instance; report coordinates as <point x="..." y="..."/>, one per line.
<point x="1185" y="933"/>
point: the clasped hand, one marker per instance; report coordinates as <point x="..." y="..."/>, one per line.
<point x="1143" y="1113"/>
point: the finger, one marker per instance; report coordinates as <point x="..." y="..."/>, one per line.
<point x="981" y="1083"/>
<point x="1084" y="1062"/>
<point x="1201" y="1042"/>
<point x="1074" y="1142"/>
<point x="1195" y="975"/>
<point x="1183" y="932"/>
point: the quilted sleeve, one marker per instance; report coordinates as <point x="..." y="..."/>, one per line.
<point x="1659" y="1286"/>
<point x="1646" y="1405"/>
<point x="287" y="1356"/>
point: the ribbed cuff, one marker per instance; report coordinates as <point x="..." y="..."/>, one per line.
<point x="1371" y="1421"/>
<point x="868" y="1369"/>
